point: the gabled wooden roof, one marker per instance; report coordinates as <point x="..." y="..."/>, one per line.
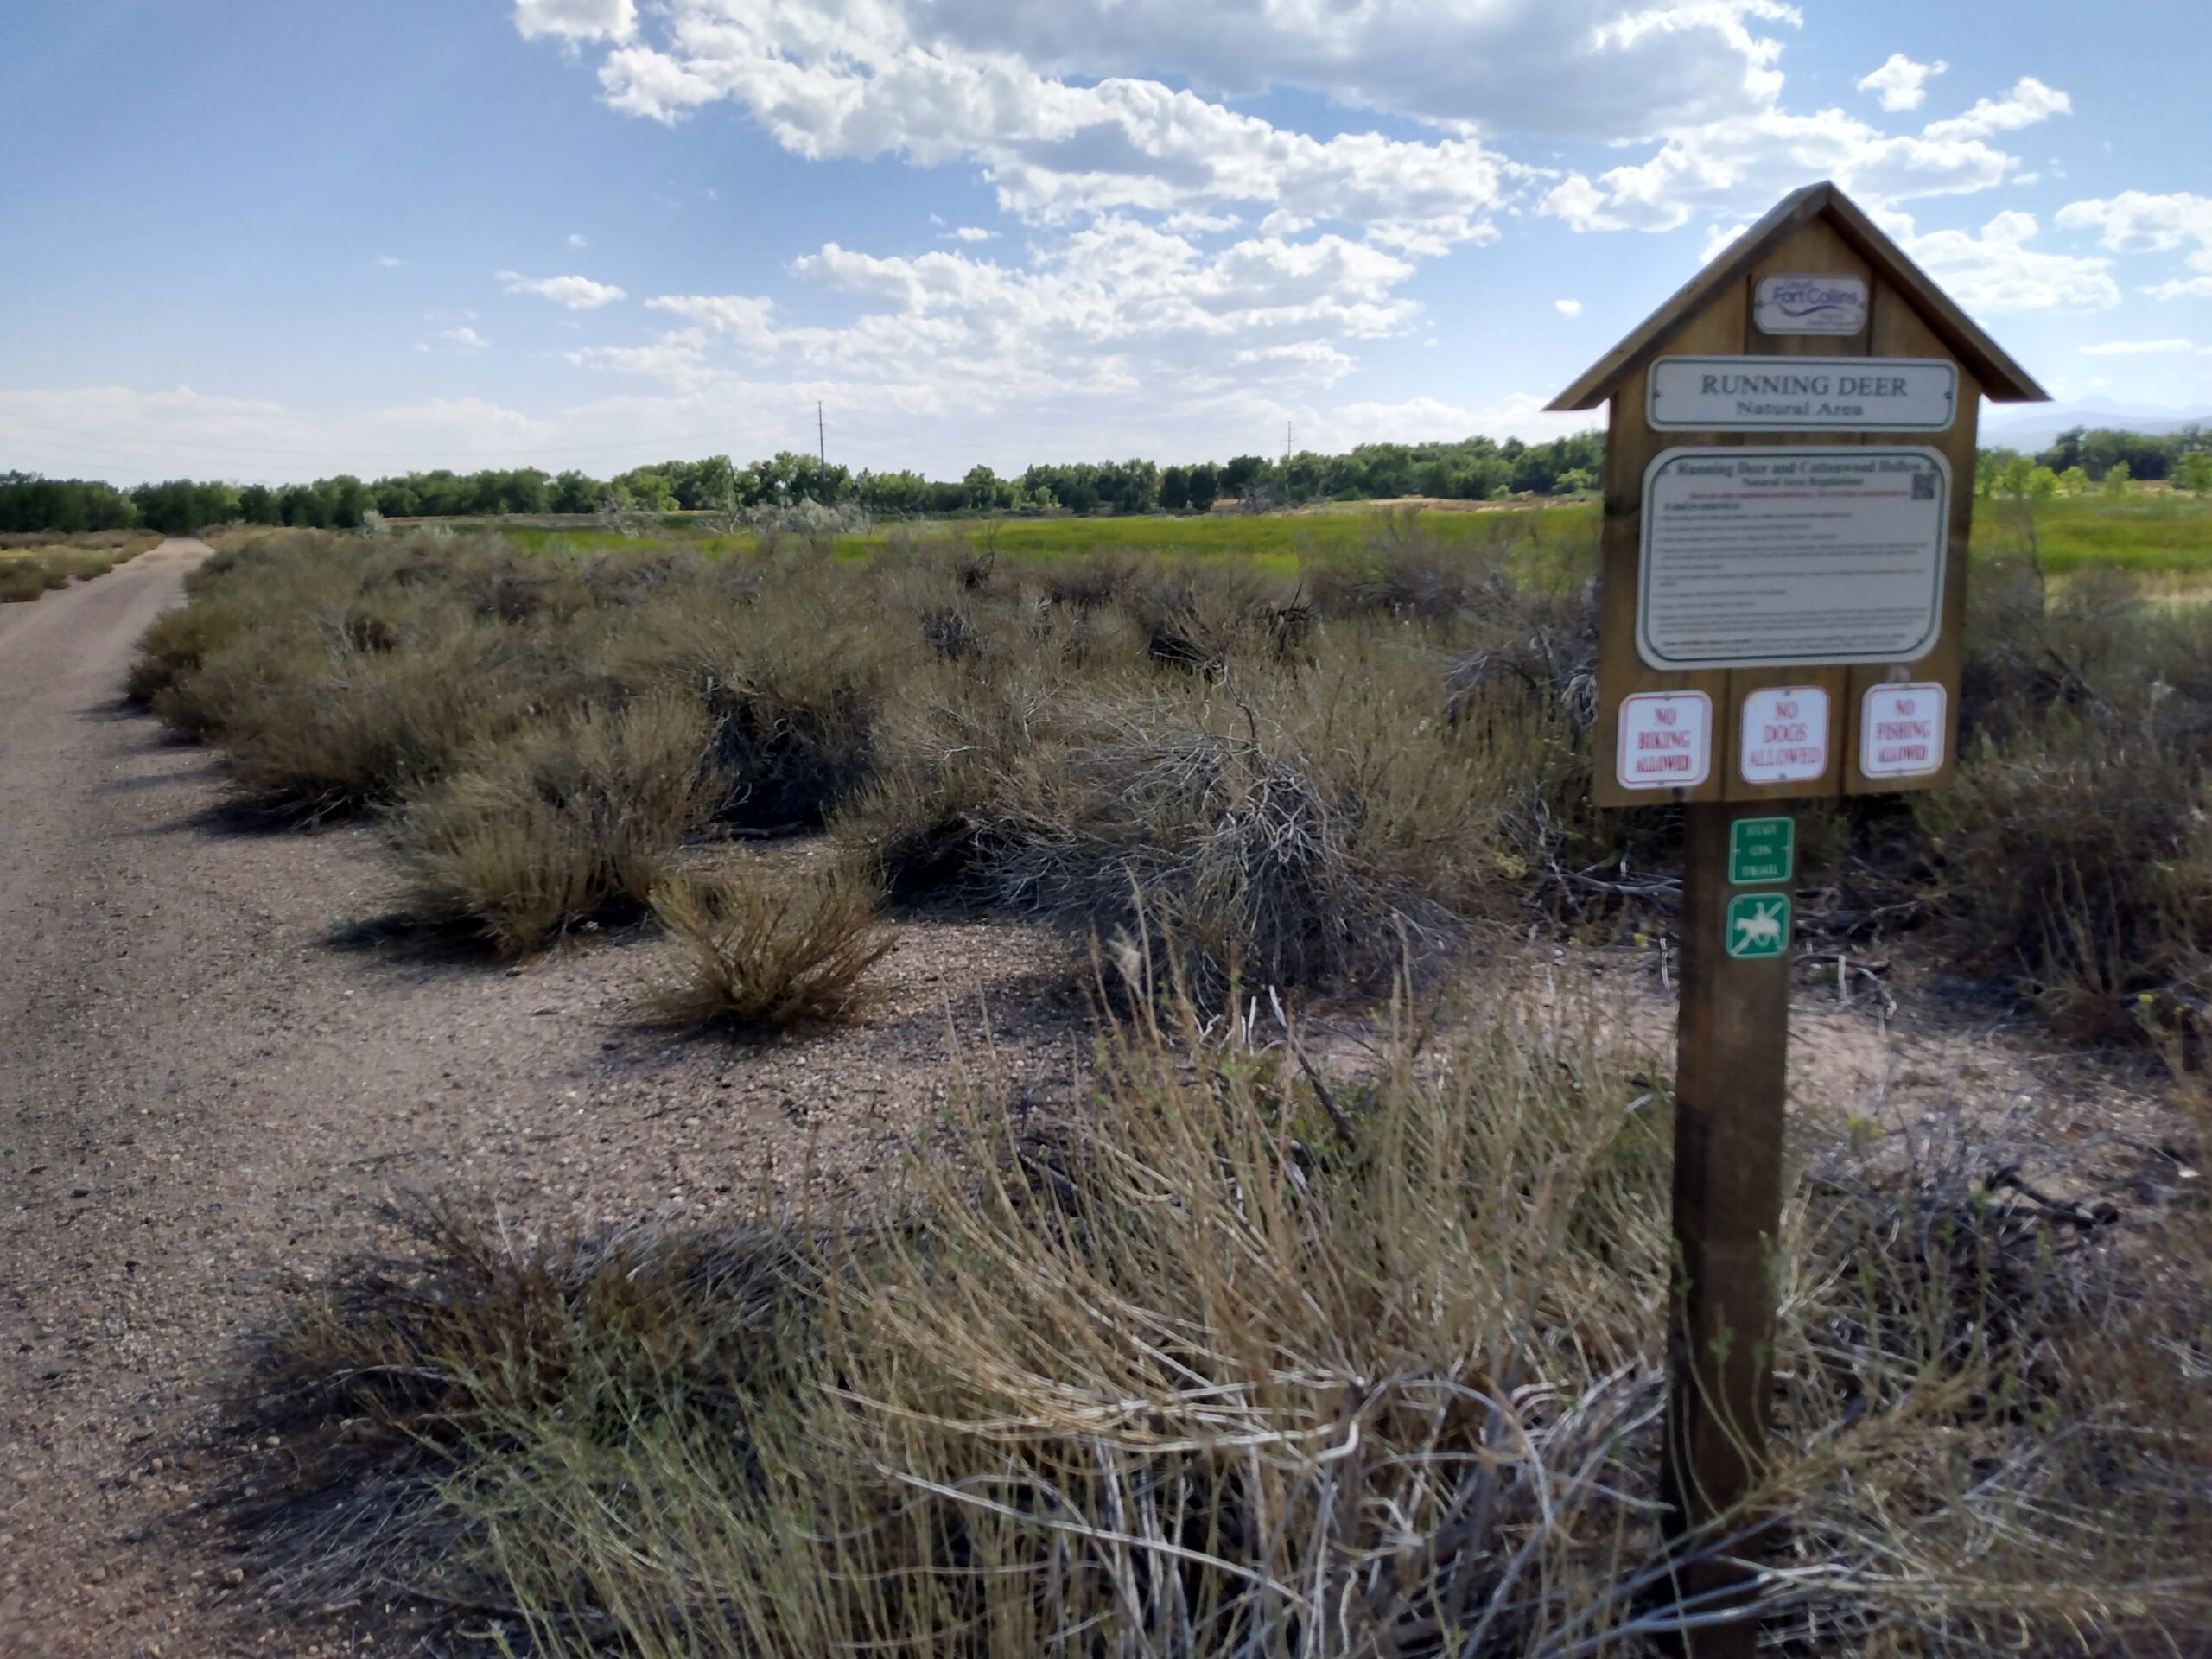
<point x="2002" y="380"/>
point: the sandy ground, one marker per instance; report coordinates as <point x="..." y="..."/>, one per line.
<point x="205" y="1089"/>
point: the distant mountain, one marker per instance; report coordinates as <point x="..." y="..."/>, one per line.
<point x="2037" y="426"/>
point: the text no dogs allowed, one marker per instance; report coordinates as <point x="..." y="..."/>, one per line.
<point x="1786" y="734"/>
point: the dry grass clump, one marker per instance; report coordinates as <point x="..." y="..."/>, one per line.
<point x="1252" y="1360"/>
<point x="2075" y="853"/>
<point x="1295" y="797"/>
<point x="391" y="1375"/>
<point x="536" y="833"/>
<point x="31" y="565"/>
<point x="762" y="949"/>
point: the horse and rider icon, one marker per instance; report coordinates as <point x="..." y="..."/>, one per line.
<point x="1758" y="925"/>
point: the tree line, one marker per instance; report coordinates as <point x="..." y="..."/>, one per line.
<point x="1472" y="469"/>
<point x="2099" y="457"/>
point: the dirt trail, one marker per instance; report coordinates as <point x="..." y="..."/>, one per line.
<point x="203" y="1091"/>
<point x="200" y="1093"/>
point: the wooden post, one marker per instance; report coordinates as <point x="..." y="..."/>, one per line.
<point x="1731" y="1067"/>
<point x="1754" y="666"/>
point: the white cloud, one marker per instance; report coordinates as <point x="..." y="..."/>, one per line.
<point x="2136" y="221"/>
<point x="1107" y="311"/>
<point x="749" y="319"/>
<point x="390" y="262"/>
<point x="577" y="293"/>
<point x="1718" y="237"/>
<point x="1119" y="278"/>
<point x="1743" y="165"/>
<point x="1306" y="361"/>
<point x="2138" y="347"/>
<point x="2029" y="102"/>
<point x="858" y="79"/>
<point x="1902" y="83"/>
<point x="1110" y="129"/>
<point x="678" y="359"/>
<point x="1995" y="270"/>
<point x="1567" y="307"/>
<point x="1200" y="224"/>
<point x="465" y="340"/>
<point x="1578" y="68"/>
<point x="576" y="240"/>
<point x="573" y="21"/>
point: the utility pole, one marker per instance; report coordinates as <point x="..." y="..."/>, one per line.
<point x="1286" y="445"/>
<point x="822" y="435"/>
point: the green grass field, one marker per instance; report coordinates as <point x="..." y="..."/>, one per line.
<point x="2153" y="533"/>
<point x="2150" y="532"/>
<point x="1278" y="541"/>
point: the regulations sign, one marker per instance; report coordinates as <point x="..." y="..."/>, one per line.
<point x="1803" y="394"/>
<point x="1665" y="740"/>
<point x="1752" y="558"/>
<point x="1786" y="734"/>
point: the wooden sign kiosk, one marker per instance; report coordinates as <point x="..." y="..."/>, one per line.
<point x="1788" y="498"/>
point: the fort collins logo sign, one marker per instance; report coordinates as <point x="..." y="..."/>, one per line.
<point x="1810" y="305"/>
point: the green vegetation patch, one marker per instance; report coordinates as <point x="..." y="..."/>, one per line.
<point x="2152" y="532"/>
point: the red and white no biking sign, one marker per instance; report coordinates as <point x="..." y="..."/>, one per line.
<point x="1901" y="730"/>
<point x="1665" y="740"/>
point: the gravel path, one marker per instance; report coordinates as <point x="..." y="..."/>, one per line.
<point x="202" y="1093"/>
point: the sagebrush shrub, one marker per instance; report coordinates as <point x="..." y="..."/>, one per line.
<point x="557" y="824"/>
<point x="1305" y="775"/>
<point x="762" y="949"/>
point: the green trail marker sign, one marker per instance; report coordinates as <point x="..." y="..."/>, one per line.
<point x="1758" y="925"/>
<point x="1777" y="621"/>
<point x="1762" y="851"/>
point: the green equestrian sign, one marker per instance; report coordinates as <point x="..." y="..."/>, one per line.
<point x="1758" y="925"/>
<point x="1762" y="851"/>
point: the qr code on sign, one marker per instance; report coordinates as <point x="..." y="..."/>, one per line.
<point x="1924" y="486"/>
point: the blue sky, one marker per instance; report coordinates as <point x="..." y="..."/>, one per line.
<point x="265" y="239"/>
